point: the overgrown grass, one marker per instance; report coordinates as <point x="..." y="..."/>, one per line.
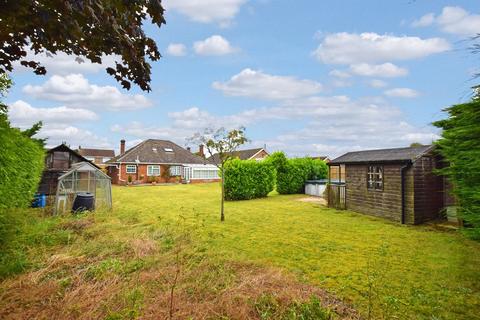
<point x="385" y="269"/>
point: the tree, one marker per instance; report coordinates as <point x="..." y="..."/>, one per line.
<point x="460" y="145"/>
<point x="87" y="28"/>
<point x="223" y="144"/>
<point x="416" y="144"/>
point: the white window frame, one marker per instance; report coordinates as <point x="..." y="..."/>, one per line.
<point x="151" y="168"/>
<point x="130" y="166"/>
<point x="175" y="171"/>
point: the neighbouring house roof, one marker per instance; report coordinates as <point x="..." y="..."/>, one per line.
<point x="106" y="153"/>
<point x="383" y="155"/>
<point x="159" y="152"/>
<point x="323" y="158"/>
<point x="241" y="154"/>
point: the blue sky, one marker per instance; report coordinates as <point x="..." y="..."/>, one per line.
<point x="306" y="77"/>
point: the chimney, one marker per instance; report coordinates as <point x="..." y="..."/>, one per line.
<point x="201" y="153"/>
<point x="122" y="146"/>
<point x="189" y="149"/>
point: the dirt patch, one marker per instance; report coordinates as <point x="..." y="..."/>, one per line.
<point x="316" y="200"/>
<point x="202" y="291"/>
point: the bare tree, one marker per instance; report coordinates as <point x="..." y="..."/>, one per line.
<point x="221" y="146"/>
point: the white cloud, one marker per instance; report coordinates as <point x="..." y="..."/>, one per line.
<point x="256" y="84"/>
<point x="352" y="48"/>
<point x="206" y="11"/>
<point x="334" y="125"/>
<point x="73" y="136"/>
<point x="23" y="114"/>
<point x="64" y="64"/>
<point x="177" y="49"/>
<point x="385" y="70"/>
<point x="402" y="93"/>
<point x="213" y="46"/>
<point x="339" y="74"/>
<point x="376" y="83"/>
<point x="454" y="20"/>
<point x="74" y="90"/>
<point x="424" y="21"/>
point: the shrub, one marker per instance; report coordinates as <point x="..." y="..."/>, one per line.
<point x="248" y="179"/>
<point x="291" y="174"/>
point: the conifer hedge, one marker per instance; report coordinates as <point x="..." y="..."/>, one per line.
<point x="248" y="179"/>
<point x="21" y="166"/>
<point x="460" y="145"/>
<point x="291" y="174"/>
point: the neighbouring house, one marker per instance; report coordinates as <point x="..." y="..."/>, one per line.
<point x="97" y="156"/>
<point x="149" y="161"/>
<point x="398" y="184"/>
<point x="58" y="161"/>
<point x="323" y="158"/>
<point x="257" y="154"/>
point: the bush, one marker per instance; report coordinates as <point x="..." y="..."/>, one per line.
<point x="248" y="179"/>
<point x="291" y="174"/>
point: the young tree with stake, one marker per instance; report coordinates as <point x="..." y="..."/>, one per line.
<point x="223" y="144"/>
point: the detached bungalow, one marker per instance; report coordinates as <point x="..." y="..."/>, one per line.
<point x="398" y="184"/>
<point x="147" y="161"/>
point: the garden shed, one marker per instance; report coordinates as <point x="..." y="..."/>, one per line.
<point x="83" y="177"/>
<point x="399" y="184"/>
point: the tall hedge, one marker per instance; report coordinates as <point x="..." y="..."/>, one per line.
<point x="248" y="179"/>
<point x="460" y="145"/>
<point x="21" y="166"/>
<point x="291" y="174"/>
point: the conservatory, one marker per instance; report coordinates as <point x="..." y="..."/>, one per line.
<point x="83" y="177"/>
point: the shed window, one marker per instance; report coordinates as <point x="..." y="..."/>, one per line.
<point x="153" y="170"/>
<point x="375" y="177"/>
<point x="131" y="168"/>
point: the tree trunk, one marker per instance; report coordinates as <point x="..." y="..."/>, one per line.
<point x="222" y="215"/>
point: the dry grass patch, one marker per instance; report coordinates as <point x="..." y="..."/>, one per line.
<point x="208" y="290"/>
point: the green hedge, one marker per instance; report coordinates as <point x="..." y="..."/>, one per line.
<point x="291" y="174"/>
<point x="248" y="179"/>
<point x="21" y="166"/>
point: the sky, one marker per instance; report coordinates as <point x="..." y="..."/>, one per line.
<point x="304" y="77"/>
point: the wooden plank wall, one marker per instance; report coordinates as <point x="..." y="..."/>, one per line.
<point x="429" y="190"/>
<point x="386" y="203"/>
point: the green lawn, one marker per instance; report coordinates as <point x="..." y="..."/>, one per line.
<point x="383" y="269"/>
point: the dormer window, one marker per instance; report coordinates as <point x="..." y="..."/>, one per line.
<point x="168" y="149"/>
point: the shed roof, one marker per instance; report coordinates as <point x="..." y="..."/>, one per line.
<point x="158" y="152"/>
<point x="383" y="155"/>
<point x="96" y="152"/>
<point x="241" y="154"/>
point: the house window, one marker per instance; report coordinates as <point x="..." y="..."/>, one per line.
<point x="131" y="168"/>
<point x="175" y="171"/>
<point x="153" y="170"/>
<point x="375" y="177"/>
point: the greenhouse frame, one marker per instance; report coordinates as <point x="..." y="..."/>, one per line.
<point x="83" y="177"/>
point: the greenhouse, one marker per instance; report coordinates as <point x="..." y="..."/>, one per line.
<point x="83" y="178"/>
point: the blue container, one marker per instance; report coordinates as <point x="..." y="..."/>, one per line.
<point x="40" y="200"/>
